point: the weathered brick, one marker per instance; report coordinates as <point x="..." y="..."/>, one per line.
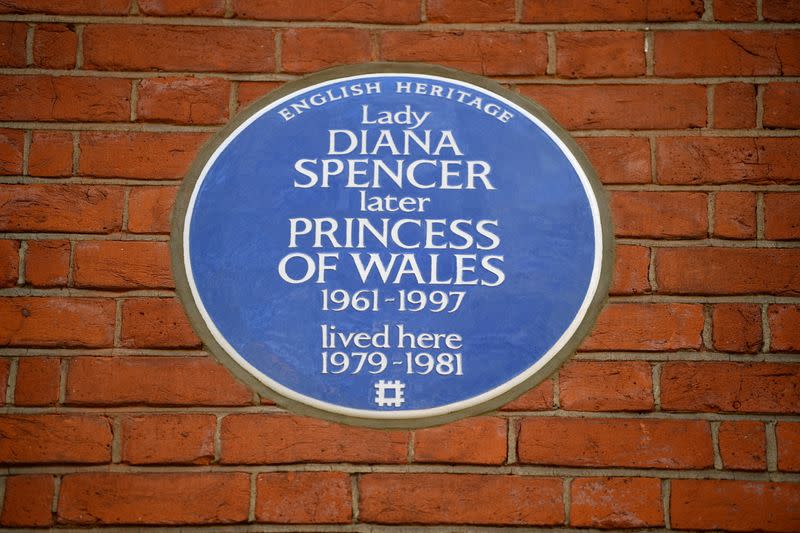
<point x="784" y="324"/>
<point x="251" y="91"/>
<point x="736" y="327"/>
<point x="38" y="380"/>
<point x="138" y="155"/>
<point x="389" y="11"/>
<point x="256" y="438"/>
<point x="460" y="499"/>
<point x="593" y="107"/>
<point x="152" y="381"/>
<point x="622" y="52"/>
<point x="731" y="387"/>
<point x="735" y="10"/>
<point x="782" y="215"/>
<point x="54" y="46"/>
<point x="9" y="263"/>
<point x="57" y="322"/>
<point x="162" y="439"/>
<point x="631" y="270"/>
<point x="616" y="502"/>
<point x="61" y="438"/>
<point x="606" y="386"/>
<point x="781" y="105"/>
<point x="688" y="54"/>
<point x="734" y="215"/>
<point x="311" y="49"/>
<point x="11" y="146"/>
<point x="642" y="443"/>
<point x="150" y="208"/>
<point x="720" y="160"/>
<point x="13" y="36"/>
<point x="66" y="7"/>
<point x="182" y="8"/>
<point x="47" y="263"/>
<point x="156" y="323"/>
<point x="28" y="500"/>
<point x="183" y="100"/>
<point x="178" y="48"/>
<point x="735" y="105"/>
<point x="742" y="445"/>
<point x="728" y="270"/>
<point x="781" y="10"/>
<point x="162" y="498"/>
<point x="65" y="98"/>
<point x="50" y="154"/>
<point x="5" y="369"/>
<point x="304" y="498"/>
<point x="61" y="208"/>
<point x="734" y="505"/>
<point x="787" y="435"/>
<point x="122" y="265"/>
<point x="474" y="441"/>
<point x="646" y="327"/>
<point x="618" y="159"/>
<point x="611" y="10"/>
<point x="539" y="398"/>
<point x="487" y="53"/>
<point x="659" y="215"/>
<point x="470" y="10"/>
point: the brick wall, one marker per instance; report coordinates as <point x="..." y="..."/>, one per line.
<point x="681" y="410"/>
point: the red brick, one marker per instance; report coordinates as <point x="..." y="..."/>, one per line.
<point x="57" y="322"/>
<point x="38" y="380"/>
<point x="474" y="441"/>
<point x="183" y="100"/>
<point x="737" y="328"/>
<point x="13" y="36"/>
<point x="9" y="263"/>
<point x="487" y="53"/>
<point x="781" y="10"/>
<point x="5" y="369"/>
<point x="304" y="498"/>
<point x="61" y="208"/>
<point x="781" y="103"/>
<point x="181" y="8"/>
<point x="161" y="439"/>
<point x="61" y="438"/>
<point x="50" y="154"/>
<point x="11" y="145"/>
<point x="734" y="215"/>
<point x="728" y="271"/>
<point x="47" y="263"/>
<point x="54" y="46"/>
<point x="152" y="381"/>
<point x="787" y="435"/>
<point x="622" y="52"/>
<point x="611" y="10"/>
<point x="271" y="439"/>
<point x="156" y="323"/>
<point x="138" y="155"/>
<point x="249" y="92"/>
<point x="735" y="105"/>
<point x="539" y="398"/>
<point x="659" y="215"/>
<point x="742" y="445"/>
<point x="631" y="270"/>
<point x="735" y="10"/>
<point x="163" y="498"/>
<point x="65" y="98"/>
<point x="782" y="215"/>
<point x="122" y="265"/>
<point x="642" y="443"/>
<point x="181" y="48"/>
<point x="150" y="208"/>
<point x="311" y="49"/>
<point x="726" y="53"/>
<point x="606" y="386"/>
<point x="647" y="327"/>
<point x="460" y="499"/>
<point x="734" y="505"/>
<point x="618" y="159"/>
<point x="389" y="11"/>
<point x="66" y="7"/>
<point x="470" y="10"/>
<point x="731" y="387"/>
<point x="616" y="502"/>
<point x="28" y="500"/>
<point x="784" y="324"/>
<point x="593" y="107"/>
<point x="719" y="160"/>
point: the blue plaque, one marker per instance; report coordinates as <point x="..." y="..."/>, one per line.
<point x="392" y="245"/>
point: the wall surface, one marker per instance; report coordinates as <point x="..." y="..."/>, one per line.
<point x="680" y="411"/>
